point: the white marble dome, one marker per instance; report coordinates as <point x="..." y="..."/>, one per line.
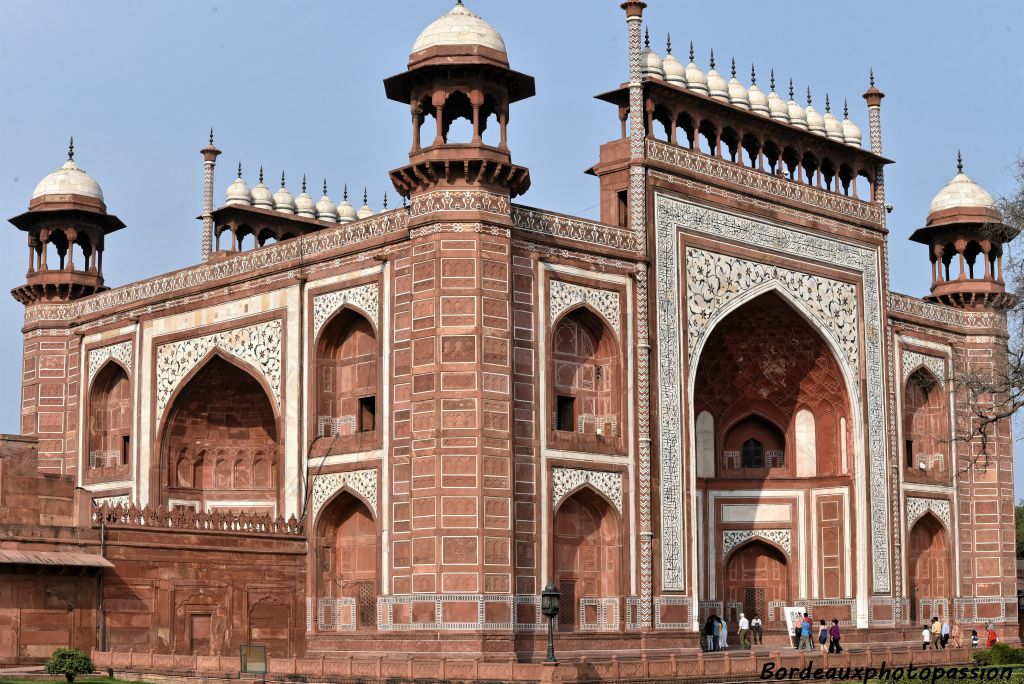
<point x="962" y="193"/>
<point x="696" y="79"/>
<point x="69" y="179"/>
<point x="717" y="87"/>
<point x="459" y="27"/>
<point x="797" y="115"/>
<point x="283" y="200"/>
<point x="815" y="121"/>
<point x="238" y="191"/>
<point x="304" y="204"/>
<point x="325" y="209"/>
<point x="851" y="133"/>
<point x="261" y="195"/>
<point x="650" y="63"/>
<point x="777" y="107"/>
<point x="738" y="94"/>
<point x="833" y="129"/>
<point x="346" y="212"/>
<point x="364" y="211"/>
<point x="758" y="100"/>
<point x="674" y="70"/>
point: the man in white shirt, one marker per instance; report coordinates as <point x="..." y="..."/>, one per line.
<point x="926" y="637"/>
<point x="744" y="631"/>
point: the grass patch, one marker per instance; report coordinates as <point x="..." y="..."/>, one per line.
<point x="62" y="680"/>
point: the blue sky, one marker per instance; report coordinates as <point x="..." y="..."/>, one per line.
<point x="297" y="87"/>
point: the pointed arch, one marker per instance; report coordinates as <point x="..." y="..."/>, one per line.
<point x="756" y="539"/>
<point x="596" y="491"/>
<point x="109" y="417"/>
<point x="347" y="366"/>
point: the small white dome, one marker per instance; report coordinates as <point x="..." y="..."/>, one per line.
<point x="738" y="96"/>
<point x="815" y="121"/>
<point x="797" y="115"/>
<point x="346" y="212"/>
<point x="650" y="62"/>
<point x="261" y="195"/>
<point x="758" y="100"/>
<point x="696" y="79"/>
<point x="962" y="192"/>
<point x="304" y="204"/>
<point x="283" y="200"/>
<point x="238" y="191"/>
<point x="325" y="209"/>
<point x="69" y="179"/>
<point x="674" y="70"/>
<point x="851" y="134"/>
<point x="717" y="87"/>
<point x="776" y="106"/>
<point x="833" y="129"/>
<point x="459" y="27"/>
<point x="365" y="210"/>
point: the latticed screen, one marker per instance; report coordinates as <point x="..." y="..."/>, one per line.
<point x="567" y="606"/>
<point x="366" y="604"/>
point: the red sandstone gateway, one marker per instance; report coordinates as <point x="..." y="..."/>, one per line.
<point x="385" y="438"/>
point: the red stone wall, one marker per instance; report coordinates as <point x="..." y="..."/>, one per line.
<point x="50" y="400"/>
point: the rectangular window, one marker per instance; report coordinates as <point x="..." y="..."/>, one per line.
<point x="623" y="208"/>
<point x="367" y="413"/>
<point x="566" y="414"/>
<point x="908" y="449"/>
<point x="125" y="446"/>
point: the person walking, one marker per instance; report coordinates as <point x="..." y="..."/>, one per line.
<point x="709" y="633"/>
<point x="974" y="638"/>
<point x="993" y="638"/>
<point x="756" y="630"/>
<point x="834" y="637"/>
<point x="744" y="633"/>
<point x="718" y="634"/>
<point x="957" y="635"/>
<point x="823" y="637"/>
<point x="944" y="634"/>
<point x="926" y="638"/>
<point x="725" y="634"/>
<point x="936" y="633"/>
<point x="805" y="637"/>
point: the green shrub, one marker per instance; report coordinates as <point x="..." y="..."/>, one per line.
<point x="1000" y="654"/>
<point x="69" y="662"/>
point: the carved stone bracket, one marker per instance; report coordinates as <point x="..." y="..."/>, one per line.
<point x="259" y="346"/>
<point x="362" y="482"/>
<point x="733" y="538"/>
<point x="918" y="506"/>
<point x="567" y="295"/>
<point x="121" y="351"/>
<point x="566" y="480"/>
<point x="366" y="298"/>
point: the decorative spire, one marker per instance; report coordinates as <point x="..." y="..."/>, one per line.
<point x="712" y="58"/>
<point x="261" y="173"/>
<point x="871" y="77"/>
<point x="959" y="162"/>
<point x="734" y="67"/>
<point x="282" y="179"/>
<point x="828" y="105"/>
<point x="71" y="149"/>
<point x="647" y="39"/>
<point x="385" y="200"/>
<point x="211" y="136"/>
<point x="303" y="182"/>
<point x="790" y="89"/>
<point x="753" y="75"/>
<point x="239" y="169"/>
<point x="344" y="195"/>
<point x="808" y="96"/>
<point x="773" y="80"/>
<point x="691" y="50"/>
<point x="668" y="44"/>
<point x="325" y="186"/>
<point x="846" y="110"/>
<point x="364" y="194"/>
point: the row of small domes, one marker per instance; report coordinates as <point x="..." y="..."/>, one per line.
<point x="770" y="105"/>
<point x="323" y="210"/>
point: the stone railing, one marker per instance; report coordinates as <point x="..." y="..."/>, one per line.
<point x="945" y="315"/>
<point x="573" y="228"/>
<point x="104" y="459"/>
<point x="181" y="518"/>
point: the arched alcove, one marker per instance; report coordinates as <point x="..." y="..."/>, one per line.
<point x="586" y="551"/>
<point x="929" y="563"/>
<point x="754" y="574"/>
<point x="925" y="427"/>
<point x="347" y="553"/>
<point x="110" y="418"/>
<point x="585" y="379"/>
<point x="221" y="416"/>
<point x="347" y="373"/>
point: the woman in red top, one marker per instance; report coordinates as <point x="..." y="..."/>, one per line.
<point x="992" y="638"/>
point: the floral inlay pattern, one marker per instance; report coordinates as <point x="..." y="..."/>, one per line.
<point x="366" y="298"/>
<point x="362" y="482"/>
<point x="566" y="480"/>
<point x="918" y="506"/>
<point x="567" y="295"/>
<point x="733" y="538"/>
<point x="121" y="351"/>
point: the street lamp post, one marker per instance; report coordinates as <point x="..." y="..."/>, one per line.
<point x="550" y="599"/>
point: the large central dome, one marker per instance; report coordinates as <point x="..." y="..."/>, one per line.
<point x="459" y="27"/>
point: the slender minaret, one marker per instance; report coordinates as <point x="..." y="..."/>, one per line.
<point x="209" y="162"/>
<point x="874" y="98"/>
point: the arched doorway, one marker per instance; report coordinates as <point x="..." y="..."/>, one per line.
<point x="925" y="427"/>
<point x="110" y="413"/>
<point x="219" y="447"/>
<point x="928" y="562"/>
<point x="587" y="553"/>
<point x="347" y="552"/>
<point x="755" y="574"/>
<point x="585" y="379"/>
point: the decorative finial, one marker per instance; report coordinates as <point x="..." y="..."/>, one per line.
<point x="239" y="169"/>
<point x="344" y="195"/>
<point x="773" y="80"/>
<point x="808" y="96"/>
<point x="691" y="50"/>
<point x="325" y="186"/>
<point x="261" y="173"/>
<point x="647" y="39"/>
<point x="753" y="75"/>
<point x="403" y="202"/>
<point x="211" y="136"/>
<point x="385" y="200"/>
<point x="734" y="67"/>
<point x="303" y="182"/>
<point x="871" y="77"/>
<point x="364" y="194"/>
<point x="828" y="105"/>
<point x="712" y="59"/>
<point x="846" y="110"/>
<point x="668" y="44"/>
<point x="282" y="179"/>
<point x="71" y="149"/>
<point x="790" y="89"/>
<point x="959" y="162"/>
